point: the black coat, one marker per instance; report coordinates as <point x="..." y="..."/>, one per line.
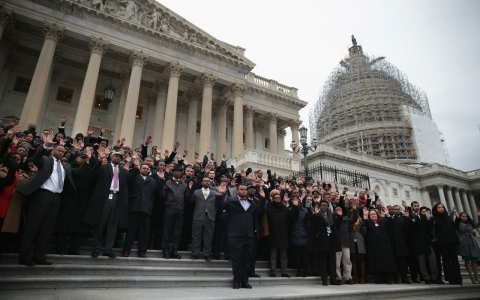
<point x="142" y="195"/>
<point x="400" y="228"/>
<point x="421" y="236"/>
<point x="299" y="226"/>
<point x="103" y="176"/>
<point x="242" y="222"/>
<point x="319" y="239"/>
<point x="445" y="229"/>
<point x="278" y="223"/>
<point x="379" y="251"/>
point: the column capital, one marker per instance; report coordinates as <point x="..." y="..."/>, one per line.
<point x="439" y="185"/>
<point x="9" y="43"/>
<point x="208" y="79"/>
<point x="182" y="107"/>
<point x="10" y="62"/>
<point x="193" y="95"/>
<point x="222" y="102"/>
<point x="138" y="58"/>
<point x="400" y="186"/>
<point x="125" y="76"/>
<point x="98" y="45"/>
<point x="258" y="126"/>
<point x="152" y="99"/>
<point x="294" y="124"/>
<point x="175" y="69"/>
<point x="447" y="188"/>
<point x="57" y="57"/>
<point x="273" y="118"/>
<point x="463" y="191"/>
<point x="53" y="31"/>
<point x="249" y="110"/>
<point x="6" y="16"/>
<point x="161" y="86"/>
<point x="238" y="89"/>
<point x="424" y="188"/>
<point x="281" y="133"/>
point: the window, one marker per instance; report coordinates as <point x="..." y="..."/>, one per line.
<point x="138" y="115"/>
<point x="395" y="192"/>
<point x="22" y="84"/>
<point x="407" y="194"/>
<point x="100" y="103"/>
<point x="267" y="143"/>
<point x="64" y="94"/>
<point x="199" y="125"/>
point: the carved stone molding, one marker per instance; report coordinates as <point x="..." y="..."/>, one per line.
<point x="8" y="44"/>
<point x="258" y="126"/>
<point x="439" y="185"/>
<point x="53" y="31"/>
<point x="152" y="99"/>
<point x="447" y="188"/>
<point x="400" y="186"/>
<point x="249" y="111"/>
<point x="6" y="16"/>
<point x="161" y="86"/>
<point x="57" y="57"/>
<point x="182" y="107"/>
<point x="294" y="124"/>
<point x="98" y="45"/>
<point x="272" y="118"/>
<point x="424" y="189"/>
<point x="175" y="69"/>
<point x="125" y="76"/>
<point x="208" y="79"/>
<point x="222" y="102"/>
<point x="138" y="58"/>
<point x="281" y="133"/>
<point x="387" y="182"/>
<point x="238" y="89"/>
<point x="193" y="95"/>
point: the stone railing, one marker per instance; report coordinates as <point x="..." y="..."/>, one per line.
<point x="271" y="85"/>
<point x="265" y="160"/>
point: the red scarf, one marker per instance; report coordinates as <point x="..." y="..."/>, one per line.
<point x="362" y="201"/>
<point x="375" y="221"/>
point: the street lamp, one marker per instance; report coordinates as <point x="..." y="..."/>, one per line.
<point x="304" y="148"/>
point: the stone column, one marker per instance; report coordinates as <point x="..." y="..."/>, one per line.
<point x="473" y="207"/>
<point x="441" y="194"/>
<point x="238" y="90"/>
<point x="121" y="105"/>
<point x="53" y="34"/>
<point x="449" y="198"/>
<point x="161" y="86"/>
<point x="294" y="126"/>
<point x="98" y="47"/>
<point x="458" y="201"/>
<point x="193" y="96"/>
<point x="221" y="103"/>
<point x="168" y="136"/>
<point x="6" y="17"/>
<point x="273" y="119"/>
<point x="281" y="133"/>
<point x="259" y="140"/>
<point x="249" y="112"/>
<point x="7" y="45"/>
<point x="138" y="59"/>
<point x="426" y="197"/>
<point x="466" y="204"/>
<point x="182" y="129"/>
<point x="208" y="80"/>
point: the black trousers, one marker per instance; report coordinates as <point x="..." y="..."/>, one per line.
<point x="328" y="266"/>
<point x="172" y="228"/>
<point x="401" y="262"/>
<point x="253" y="261"/>
<point x="138" y="226"/>
<point x="413" y="265"/>
<point x="75" y="241"/>
<point x="438" y="255"/>
<point x="108" y="225"/>
<point x="241" y="249"/>
<point x="451" y="266"/>
<point x="40" y="224"/>
<point x="221" y="231"/>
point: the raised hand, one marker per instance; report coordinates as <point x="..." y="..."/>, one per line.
<point x="15" y="141"/>
<point x="384" y="211"/>
<point x="208" y="150"/>
<point x="12" y="122"/>
<point x="317" y="209"/>
<point x="61" y="142"/>
<point x="295" y="201"/>
<point x="323" y="180"/>
<point x="108" y="150"/>
<point x="404" y="203"/>
<point x="285" y="197"/>
<point x="166" y="153"/>
<point x="102" y="130"/>
<point x="47" y="139"/>
<point x="184" y="178"/>
<point x="175" y="147"/>
<point x="185" y="153"/>
<point x="178" y="155"/>
<point x="190" y="184"/>
<point x="81" y="143"/>
<point x="233" y="182"/>
<point x="158" y="157"/>
<point x="90" y="131"/>
<point x="224" y="153"/>
<point x="63" y="120"/>
<point x="367" y="192"/>
<point x="356" y="189"/>
<point x="33" y="168"/>
<point x="261" y="192"/>
<point x="161" y="174"/>
<point x="428" y="214"/>
<point x="148" y="140"/>
<point x="101" y="152"/>
<point x="243" y="173"/>
<point x="365" y="213"/>
<point x="122" y="142"/>
<point x="338" y="211"/>
<point x="406" y="213"/>
<point x="136" y="163"/>
<point x="345" y="190"/>
<point x="222" y="188"/>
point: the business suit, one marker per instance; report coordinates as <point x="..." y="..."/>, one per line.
<point x="203" y="224"/>
<point x="43" y="209"/>
<point x="108" y="214"/>
<point x="241" y="235"/>
<point x="141" y="199"/>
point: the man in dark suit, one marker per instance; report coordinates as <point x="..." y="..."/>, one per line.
<point x="203" y="225"/>
<point x="108" y="208"/>
<point x="45" y="189"/>
<point x="142" y="197"/>
<point x="242" y="211"/>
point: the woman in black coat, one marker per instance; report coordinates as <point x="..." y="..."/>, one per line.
<point x="379" y="252"/>
<point x="299" y="235"/>
<point x="278" y="221"/>
<point x="447" y="242"/>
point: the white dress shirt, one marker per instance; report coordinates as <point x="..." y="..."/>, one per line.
<point x="245" y="204"/>
<point x="52" y="183"/>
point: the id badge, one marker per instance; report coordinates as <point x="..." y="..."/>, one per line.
<point x="110" y="196"/>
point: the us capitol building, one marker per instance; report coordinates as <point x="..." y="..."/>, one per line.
<point x="138" y="69"/>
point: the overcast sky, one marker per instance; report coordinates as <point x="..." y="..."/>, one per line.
<point x="298" y="43"/>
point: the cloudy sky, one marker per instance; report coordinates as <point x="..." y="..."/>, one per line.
<point x="298" y="43"/>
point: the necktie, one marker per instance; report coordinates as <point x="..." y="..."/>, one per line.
<point x="329" y="231"/>
<point x="59" y="172"/>
<point x="115" y="177"/>
<point x="243" y="199"/>
<point x="205" y="193"/>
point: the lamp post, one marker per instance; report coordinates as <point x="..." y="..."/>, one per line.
<point x="304" y="148"/>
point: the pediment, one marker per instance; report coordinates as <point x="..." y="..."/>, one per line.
<point x="151" y="17"/>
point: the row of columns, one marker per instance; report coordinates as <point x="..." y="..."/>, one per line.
<point x="461" y="199"/>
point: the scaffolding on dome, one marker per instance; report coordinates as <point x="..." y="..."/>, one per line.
<point x="362" y="108"/>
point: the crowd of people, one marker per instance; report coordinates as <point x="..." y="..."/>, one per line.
<point x="74" y="188"/>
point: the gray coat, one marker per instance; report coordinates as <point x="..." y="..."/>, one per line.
<point x="359" y="234"/>
<point x="468" y="244"/>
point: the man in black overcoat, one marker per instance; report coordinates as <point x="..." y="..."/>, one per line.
<point x="399" y="230"/>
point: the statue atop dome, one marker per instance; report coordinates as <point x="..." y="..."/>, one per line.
<point x="354" y="41"/>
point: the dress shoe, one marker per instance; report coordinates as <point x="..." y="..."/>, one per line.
<point x="236" y="286"/>
<point x="324" y="283"/>
<point x="27" y="262"/>
<point x="207" y="258"/>
<point x="125" y="254"/>
<point x="438" y="281"/>
<point x="349" y="281"/>
<point x="94" y="254"/>
<point x="174" y="254"/>
<point x="428" y="282"/>
<point x="335" y="283"/>
<point x="42" y="262"/>
<point x="285" y="275"/>
<point x="109" y="254"/>
<point x="245" y="286"/>
<point x="273" y="275"/>
<point x="142" y="255"/>
<point x="389" y="281"/>
<point x="70" y="252"/>
<point x="406" y="281"/>
<point x="166" y="254"/>
<point x="255" y="275"/>
<point x="194" y="257"/>
<point x="416" y="281"/>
